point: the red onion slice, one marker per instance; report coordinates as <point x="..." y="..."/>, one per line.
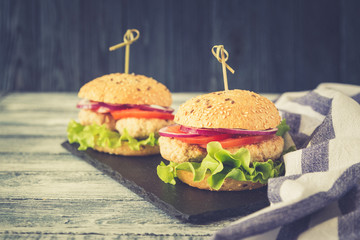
<point x="199" y="131"/>
<point x="145" y="107"/>
<point x="114" y="107"/>
<point x="234" y="131"/>
<point x="102" y="109"/>
<point x="92" y="105"/>
<point x="86" y="104"/>
<point x="156" y="108"/>
<point x="165" y="132"/>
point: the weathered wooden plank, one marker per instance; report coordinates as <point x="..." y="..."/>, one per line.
<point x="189" y="70"/>
<point x="350" y="37"/>
<point x="24" y="145"/>
<point x="36" y="176"/>
<point x="47" y="192"/>
<point x="78" y="202"/>
<point x="39" y="101"/>
<point x="18" y="162"/>
<point x="33" y="130"/>
<point x="37" y="118"/>
<point x="80" y="213"/>
<point x="317" y="43"/>
<point x="57" y="195"/>
<point x="58" y="40"/>
<point x="274" y="46"/>
<point x="42" y="118"/>
<point x="21" y="48"/>
<point x="99" y="216"/>
<point x="96" y="236"/>
<point x="149" y="56"/>
<point x="57" y="177"/>
<point x="6" y="46"/>
<point x="62" y="186"/>
<point x="89" y="236"/>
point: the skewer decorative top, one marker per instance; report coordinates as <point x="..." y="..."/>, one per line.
<point x="129" y="38"/>
<point x="222" y="56"/>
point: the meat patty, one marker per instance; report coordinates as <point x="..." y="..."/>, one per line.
<point x="88" y="117"/>
<point x="177" y="151"/>
<point x="139" y="128"/>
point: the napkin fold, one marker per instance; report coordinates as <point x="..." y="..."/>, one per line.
<point x="319" y="196"/>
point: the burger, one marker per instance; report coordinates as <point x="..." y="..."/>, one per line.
<point x="223" y="141"/>
<point x="121" y="114"/>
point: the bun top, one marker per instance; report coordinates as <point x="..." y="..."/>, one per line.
<point x="121" y="88"/>
<point x="229" y="109"/>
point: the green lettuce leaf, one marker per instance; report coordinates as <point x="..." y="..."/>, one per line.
<point x="282" y="128"/>
<point x="91" y="135"/>
<point x="290" y="149"/>
<point x="221" y="164"/>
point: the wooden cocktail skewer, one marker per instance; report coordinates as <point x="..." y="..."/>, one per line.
<point x="129" y="38"/>
<point x="222" y="56"/>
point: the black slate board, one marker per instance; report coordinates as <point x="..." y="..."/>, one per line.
<point x="181" y="201"/>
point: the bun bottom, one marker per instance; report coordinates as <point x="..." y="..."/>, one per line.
<point x="125" y="150"/>
<point x="228" y="185"/>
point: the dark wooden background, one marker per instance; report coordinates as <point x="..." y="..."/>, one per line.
<point x="274" y="45"/>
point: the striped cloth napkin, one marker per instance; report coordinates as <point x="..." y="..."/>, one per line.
<point x="319" y="196"/>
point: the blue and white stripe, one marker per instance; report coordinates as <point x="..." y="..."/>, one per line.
<point x="319" y="196"/>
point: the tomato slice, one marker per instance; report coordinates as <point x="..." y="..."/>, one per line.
<point x="138" y="113"/>
<point x="226" y="140"/>
<point x="241" y="141"/>
<point x="174" y="129"/>
<point x="204" y="139"/>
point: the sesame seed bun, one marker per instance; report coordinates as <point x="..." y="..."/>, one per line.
<point x="229" y="109"/>
<point x="125" y="150"/>
<point x="121" y="88"/>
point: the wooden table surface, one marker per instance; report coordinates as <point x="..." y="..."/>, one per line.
<point x="45" y="192"/>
